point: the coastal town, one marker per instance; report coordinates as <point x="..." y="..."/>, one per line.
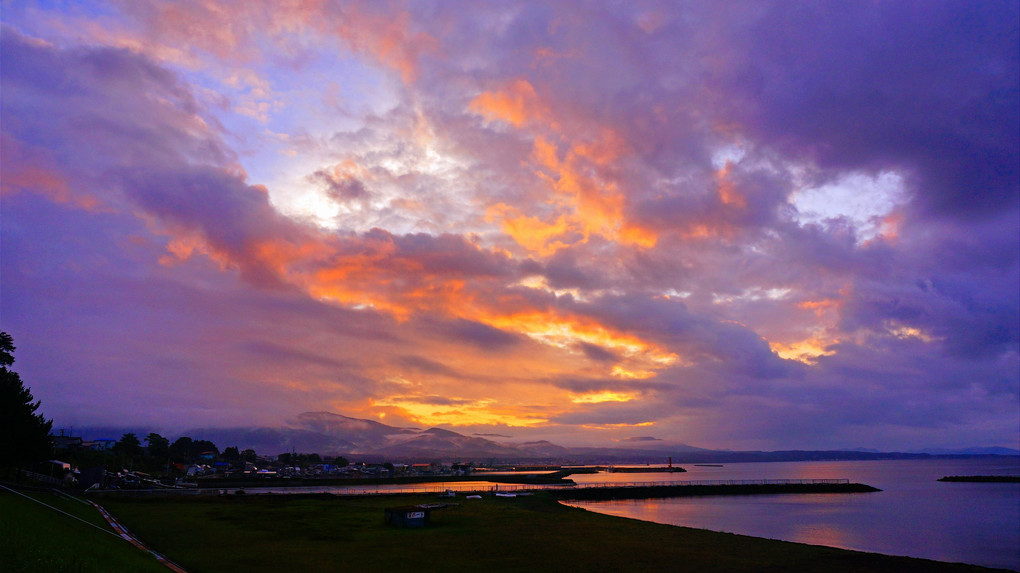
<point x="125" y="463"/>
<point x="187" y="463"/>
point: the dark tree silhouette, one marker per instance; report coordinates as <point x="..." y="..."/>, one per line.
<point x="199" y="447"/>
<point x="187" y="450"/>
<point x="24" y="435"/>
<point x="128" y="445"/>
<point x="181" y="449"/>
<point x="157" y="446"/>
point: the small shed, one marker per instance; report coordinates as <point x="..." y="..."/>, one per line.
<point x="407" y="516"/>
<point x="412" y="515"/>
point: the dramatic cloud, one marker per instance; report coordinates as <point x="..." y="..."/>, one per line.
<point x="768" y="225"/>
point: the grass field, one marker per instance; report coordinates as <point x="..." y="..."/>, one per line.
<point x="325" y="533"/>
<point x="34" y="538"/>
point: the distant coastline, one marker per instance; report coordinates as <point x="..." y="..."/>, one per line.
<point x="982" y="479"/>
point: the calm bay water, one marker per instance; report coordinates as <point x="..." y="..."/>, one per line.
<point x="914" y="515"/>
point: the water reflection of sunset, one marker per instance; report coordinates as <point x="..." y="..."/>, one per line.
<point x="829" y="535"/>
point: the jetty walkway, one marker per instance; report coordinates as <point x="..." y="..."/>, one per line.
<point x="710" y="487"/>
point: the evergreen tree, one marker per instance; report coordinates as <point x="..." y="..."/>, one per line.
<point x="180" y="450"/>
<point x="128" y="448"/>
<point x="24" y="435"/>
<point x="199" y="447"/>
<point x="128" y="445"/>
<point x="157" y="446"/>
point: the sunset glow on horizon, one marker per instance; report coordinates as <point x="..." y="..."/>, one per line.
<point x="757" y="225"/>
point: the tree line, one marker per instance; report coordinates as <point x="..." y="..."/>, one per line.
<point x="161" y="457"/>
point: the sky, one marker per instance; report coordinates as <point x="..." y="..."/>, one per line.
<point x="741" y="225"/>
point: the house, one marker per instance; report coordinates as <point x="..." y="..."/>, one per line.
<point x="100" y="445"/>
<point x="67" y="442"/>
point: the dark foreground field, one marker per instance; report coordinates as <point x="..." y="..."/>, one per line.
<point x="324" y="533"/>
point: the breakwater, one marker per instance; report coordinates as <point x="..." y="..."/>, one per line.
<point x="646" y="490"/>
<point x="644" y="469"/>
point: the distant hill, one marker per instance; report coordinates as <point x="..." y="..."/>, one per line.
<point x="439" y="443"/>
<point x="331" y="434"/>
<point x="972" y="452"/>
<point x="544" y="449"/>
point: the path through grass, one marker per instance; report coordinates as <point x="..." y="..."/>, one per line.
<point x="35" y="538"/>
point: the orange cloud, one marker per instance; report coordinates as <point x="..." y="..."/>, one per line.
<point x="631" y="234"/>
<point x="602" y="397"/>
<point x="727" y="189"/>
<point x="545" y="56"/>
<point x="532" y="233"/>
<point x="617" y="426"/>
<point x="385" y="36"/>
<point x="464" y="413"/>
<point x="544" y="153"/>
<point x="622" y="372"/>
<point x="516" y="104"/>
<point x="889" y="229"/>
<point x="807" y="351"/>
<point x="908" y="332"/>
<point x="822" y="306"/>
<point x="184" y="246"/>
<point x="697" y="231"/>
<point x="565" y="331"/>
<point x="236" y="32"/>
<point x="26" y="169"/>
<point x="587" y="197"/>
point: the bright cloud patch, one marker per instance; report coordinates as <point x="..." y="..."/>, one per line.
<point x="866" y="201"/>
<point x="465" y="413"/>
<point x="603" y="396"/>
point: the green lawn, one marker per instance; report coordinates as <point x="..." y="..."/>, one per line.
<point x="34" y="538"/>
<point x="323" y="533"/>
